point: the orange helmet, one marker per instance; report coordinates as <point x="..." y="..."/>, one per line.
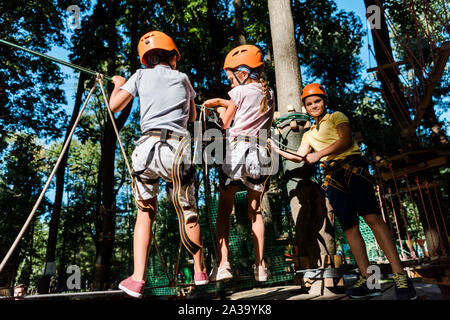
<point x="246" y="54"/>
<point x="313" y="89"/>
<point x="155" y="40"/>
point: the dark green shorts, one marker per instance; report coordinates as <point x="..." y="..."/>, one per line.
<point x="358" y="199"/>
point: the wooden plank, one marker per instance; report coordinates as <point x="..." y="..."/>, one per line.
<point x="422" y="187"/>
<point x="76" y="295"/>
<point x="292" y="292"/>
<point x="386" y="66"/>
<point x="369" y="88"/>
<point x="437" y="162"/>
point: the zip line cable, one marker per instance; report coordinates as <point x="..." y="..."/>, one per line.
<point x="67" y="64"/>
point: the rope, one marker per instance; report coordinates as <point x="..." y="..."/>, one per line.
<point x="440" y="210"/>
<point x="394" y="93"/>
<point x="426" y="213"/>
<point x="410" y="57"/>
<point x="163" y="263"/>
<point x="383" y="193"/>
<point x="291" y="117"/>
<point x="396" y="224"/>
<point x="202" y="118"/>
<point x="201" y="107"/>
<point x="416" y="220"/>
<point x="402" y="211"/>
<point x="381" y="203"/>
<point x="67" y="64"/>
<point x="41" y="196"/>
<point x="100" y="78"/>
<point x="384" y="218"/>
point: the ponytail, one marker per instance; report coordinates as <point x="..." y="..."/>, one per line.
<point x="258" y="75"/>
<point x="263" y="106"/>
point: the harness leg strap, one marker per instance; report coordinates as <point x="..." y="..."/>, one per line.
<point x="177" y="184"/>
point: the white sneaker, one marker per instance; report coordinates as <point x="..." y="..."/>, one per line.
<point x="261" y="273"/>
<point x="223" y="273"/>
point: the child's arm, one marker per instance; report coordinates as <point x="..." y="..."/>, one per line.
<point x="192" y="111"/>
<point x="225" y="108"/>
<point x="119" y="98"/>
<point x="345" y="141"/>
<point x="302" y="151"/>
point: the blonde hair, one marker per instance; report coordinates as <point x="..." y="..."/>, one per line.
<point x="264" y="105"/>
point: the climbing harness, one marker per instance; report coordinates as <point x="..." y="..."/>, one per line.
<point x="253" y="142"/>
<point x="334" y="166"/>
<point x="383" y="193"/>
<point x="204" y="121"/>
<point x="177" y="176"/>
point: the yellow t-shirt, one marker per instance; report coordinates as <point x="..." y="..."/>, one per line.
<point x="328" y="134"/>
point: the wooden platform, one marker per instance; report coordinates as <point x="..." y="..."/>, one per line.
<point x="425" y="291"/>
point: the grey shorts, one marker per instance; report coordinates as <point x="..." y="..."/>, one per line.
<point x="251" y="166"/>
<point x="161" y="166"/>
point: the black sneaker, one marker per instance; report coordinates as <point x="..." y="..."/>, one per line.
<point x="404" y="289"/>
<point x="360" y="290"/>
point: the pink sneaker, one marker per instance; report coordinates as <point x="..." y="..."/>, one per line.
<point x="201" y="278"/>
<point x="132" y="288"/>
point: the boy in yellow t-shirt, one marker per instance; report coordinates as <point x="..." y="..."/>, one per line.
<point x="349" y="189"/>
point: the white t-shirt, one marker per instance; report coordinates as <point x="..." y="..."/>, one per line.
<point x="164" y="98"/>
<point x="248" y="120"/>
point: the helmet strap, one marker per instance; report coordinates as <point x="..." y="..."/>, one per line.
<point x="237" y="78"/>
<point x="319" y="118"/>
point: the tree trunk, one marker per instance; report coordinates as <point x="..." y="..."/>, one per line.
<point x="390" y="82"/>
<point x="106" y="206"/>
<point x="239" y="22"/>
<point x="314" y="230"/>
<point x="217" y="89"/>
<point x="287" y="70"/>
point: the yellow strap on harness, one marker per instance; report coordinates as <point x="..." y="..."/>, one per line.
<point x="349" y="171"/>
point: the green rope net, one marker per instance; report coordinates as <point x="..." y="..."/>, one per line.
<point x="241" y="257"/>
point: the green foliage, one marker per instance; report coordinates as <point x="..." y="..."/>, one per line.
<point x="31" y="98"/>
<point x="418" y="28"/>
<point x="329" y="42"/>
<point x="22" y="171"/>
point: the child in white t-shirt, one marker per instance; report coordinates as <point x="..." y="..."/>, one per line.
<point x="246" y="161"/>
<point x="166" y="100"/>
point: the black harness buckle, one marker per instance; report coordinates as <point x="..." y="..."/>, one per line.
<point x="163" y="135"/>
